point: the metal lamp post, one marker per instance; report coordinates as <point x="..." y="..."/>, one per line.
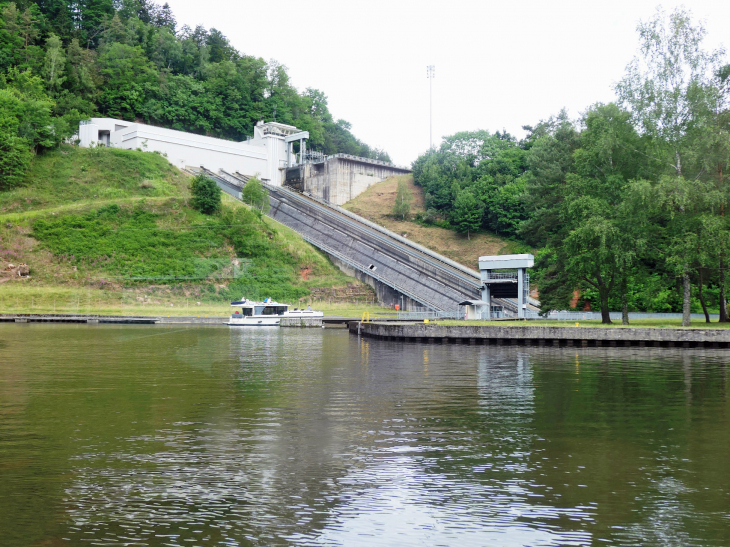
<point x="430" y="74"/>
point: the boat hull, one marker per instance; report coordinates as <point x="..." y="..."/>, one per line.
<point x="255" y="322"/>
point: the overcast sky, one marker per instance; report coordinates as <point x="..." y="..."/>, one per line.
<point x="499" y="65"/>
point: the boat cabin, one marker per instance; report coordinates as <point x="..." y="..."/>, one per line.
<point x="250" y="309"/>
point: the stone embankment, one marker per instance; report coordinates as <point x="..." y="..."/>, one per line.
<point x="544" y="336"/>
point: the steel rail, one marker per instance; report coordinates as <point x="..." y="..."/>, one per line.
<point x="449" y="280"/>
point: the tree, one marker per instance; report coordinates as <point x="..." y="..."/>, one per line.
<point x="467" y="213"/>
<point x="592" y="240"/>
<point x="123" y="59"/>
<point x="549" y="162"/>
<point x="403" y="198"/>
<point x="206" y="195"/>
<point x="14" y="159"/>
<point x="55" y="63"/>
<point x="714" y="154"/>
<point x="669" y="90"/>
<point x="256" y="195"/>
<point x="23" y="97"/>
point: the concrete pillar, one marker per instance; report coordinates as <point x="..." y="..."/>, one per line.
<point x="520" y="292"/>
<point x="487" y="297"/>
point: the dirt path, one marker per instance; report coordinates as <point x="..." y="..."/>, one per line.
<point x="25" y="215"/>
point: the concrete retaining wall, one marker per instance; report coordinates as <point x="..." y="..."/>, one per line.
<point x="536" y="335"/>
<point x="340" y="179"/>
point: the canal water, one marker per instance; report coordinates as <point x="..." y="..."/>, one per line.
<point x="132" y="435"/>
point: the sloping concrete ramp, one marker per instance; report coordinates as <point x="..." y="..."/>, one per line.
<point x="392" y="265"/>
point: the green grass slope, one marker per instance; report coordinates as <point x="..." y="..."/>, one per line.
<point x="107" y="230"/>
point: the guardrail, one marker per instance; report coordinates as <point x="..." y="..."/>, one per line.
<point x="615" y="315"/>
<point x="430" y="315"/>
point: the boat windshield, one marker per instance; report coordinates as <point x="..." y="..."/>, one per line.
<point x="270" y="310"/>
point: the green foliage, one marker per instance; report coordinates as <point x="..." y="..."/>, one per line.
<point x="128" y="243"/>
<point x="403" y="199"/>
<point x="630" y="202"/>
<point x="491" y="166"/>
<point x="206" y="195"/>
<point x="138" y="245"/>
<point x="128" y="60"/>
<point x="14" y="160"/>
<point x="71" y="175"/>
<point x="467" y="213"/>
<point x="256" y="195"/>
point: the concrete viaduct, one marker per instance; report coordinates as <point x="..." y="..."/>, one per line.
<point x="400" y="271"/>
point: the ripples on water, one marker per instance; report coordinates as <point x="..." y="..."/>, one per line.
<point x="205" y="436"/>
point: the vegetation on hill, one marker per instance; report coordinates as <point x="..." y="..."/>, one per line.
<point x="137" y="238"/>
<point x="377" y="203"/>
<point x="71" y="177"/>
<point x="629" y="202"/>
<point x="64" y="61"/>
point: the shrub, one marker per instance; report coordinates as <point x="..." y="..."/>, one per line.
<point x="403" y="198"/>
<point x="14" y="160"/>
<point x="206" y="195"/>
<point x="256" y="195"/>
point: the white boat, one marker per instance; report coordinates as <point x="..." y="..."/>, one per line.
<point x="266" y="314"/>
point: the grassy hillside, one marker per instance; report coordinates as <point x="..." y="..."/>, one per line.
<point x="106" y="230"/>
<point x="376" y="204"/>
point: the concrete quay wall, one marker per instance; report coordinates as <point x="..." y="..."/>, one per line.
<point x="541" y="336"/>
<point x="312" y="322"/>
<point x="193" y="320"/>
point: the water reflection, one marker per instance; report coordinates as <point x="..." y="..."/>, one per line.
<point x="202" y="436"/>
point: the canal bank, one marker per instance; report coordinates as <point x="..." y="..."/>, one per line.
<point x="544" y="335"/>
<point x="153" y="320"/>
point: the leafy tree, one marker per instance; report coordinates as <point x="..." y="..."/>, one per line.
<point x="83" y="74"/>
<point x="14" y="159"/>
<point x="490" y="165"/>
<point x="403" y="199"/>
<point x="123" y="58"/>
<point x="23" y="97"/>
<point x="206" y="195"/>
<point x="593" y="243"/>
<point x="669" y="91"/>
<point x="549" y="163"/>
<point x="55" y="63"/>
<point x="467" y="213"/>
<point x="256" y="195"/>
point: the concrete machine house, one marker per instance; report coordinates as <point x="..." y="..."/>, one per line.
<point x="268" y="154"/>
